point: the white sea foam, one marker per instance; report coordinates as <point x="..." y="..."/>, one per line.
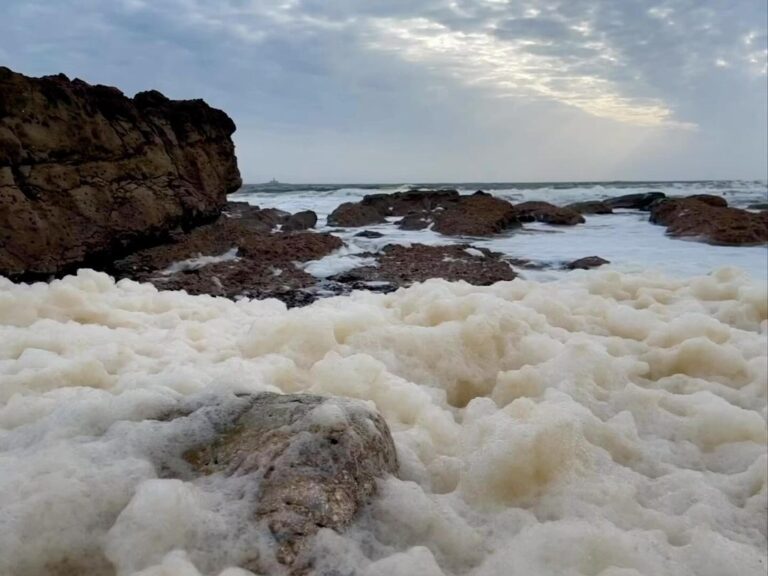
<point x="605" y="424"/>
<point x="199" y="262"/>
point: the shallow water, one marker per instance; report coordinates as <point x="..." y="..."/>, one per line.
<point x="601" y="424"/>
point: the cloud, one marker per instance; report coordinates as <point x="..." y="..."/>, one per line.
<point x="398" y="84"/>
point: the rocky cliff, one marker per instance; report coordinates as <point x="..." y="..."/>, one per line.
<point x="88" y="174"/>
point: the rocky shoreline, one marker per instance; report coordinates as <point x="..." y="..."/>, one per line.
<point x="137" y="187"/>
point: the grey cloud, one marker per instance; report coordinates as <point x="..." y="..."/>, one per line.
<point x="324" y="89"/>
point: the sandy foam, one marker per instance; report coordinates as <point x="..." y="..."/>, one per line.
<point x="602" y="425"/>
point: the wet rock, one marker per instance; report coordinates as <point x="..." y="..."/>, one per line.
<point x="300" y="221"/>
<point x="402" y="266"/>
<point x="404" y="203"/>
<point x="369" y="234"/>
<point x="88" y="174"/>
<point x="709" y="199"/>
<point x="758" y="206"/>
<point x="352" y="214"/>
<point x="238" y="255"/>
<point x="548" y="213"/>
<point x="314" y="462"/>
<point x="586" y="263"/>
<point x="591" y="207"/>
<point x="689" y="217"/>
<point x="414" y="221"/>
<point x="476" y="215"/>
<point x="639" y="201"/>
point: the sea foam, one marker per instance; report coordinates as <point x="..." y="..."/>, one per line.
<point x="605" y="424"/>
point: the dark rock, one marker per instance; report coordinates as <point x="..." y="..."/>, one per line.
<point x="758" y="206"/>
<point x="401" y="265"/>
<point x="404" y="203"/>
<point x="709" y="199"/>
<point x="351" y="214"/>
<point x="548" y="213"/>
<point x="314" y="462"/>
<point x="415" y="221"/>
<point x="689" y="217"/>
<point x="476" y="215"/>
<point x="300" y="221"/>
<point x="261" y="264"/>
<point x="639" y="201"/>
<point x="591" y="207"/>
<point x="369" y="234"/>
<point x="586" y="263"/>
<point x="87" y="174"/>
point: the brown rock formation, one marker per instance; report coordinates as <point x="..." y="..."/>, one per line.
<point x="237" y="255"/>
<point x="548" y="213"/>
<point x="476" y="215"/>
<point x="590" y="207"/>
<point x="87" y="173"/>
<point x="401" y="266"/>
<point x="711" y="223"/>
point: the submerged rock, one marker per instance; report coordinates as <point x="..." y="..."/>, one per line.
<point x="315" y="461"/>
<point x="87" y="174"/>
<point x="452" y="214"/>
<point x="300" y="221"/>
<point x="590" y="207"/>
<point x="548" y="213"/>
<point x="237" y="255"/>
<point x="404" y="265"/>
<point x="691" y="217"/>
<point x="352" y="214"/>
<point x="587" y="263"/>
<point x="639" y="201"/>
<point x="476" y="215"/>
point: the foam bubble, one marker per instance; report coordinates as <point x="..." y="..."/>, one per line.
<point x="605" y="424"/>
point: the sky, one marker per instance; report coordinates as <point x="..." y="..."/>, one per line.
<point x="435" y="90"/>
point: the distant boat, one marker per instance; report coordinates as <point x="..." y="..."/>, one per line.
<point x="273" y="182"/>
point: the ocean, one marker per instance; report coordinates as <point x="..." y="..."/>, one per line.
<point x="609" y="422"/>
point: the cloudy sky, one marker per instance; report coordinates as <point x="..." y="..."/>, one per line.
<point x="435" y="90"/>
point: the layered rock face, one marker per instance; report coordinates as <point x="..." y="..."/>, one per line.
<point x="87" y="173"/>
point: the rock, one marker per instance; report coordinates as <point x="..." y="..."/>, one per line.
<point x="476" y="215"/>
<point x="548" y="213"/>
<point x="590" y="207"/>
<point x="709" y="199"/>
<point x="352" y="214"/>
<point x="758" y="206"/>
<point x="369" y="234"/>
<point x="401" y="265"/>
<point x="300" y="221"/>
<point x="404" y="203"/>
<point x="586" y="263"/>
<point x="237" y="255"/>
<point x="88" y="174"/>
<point x="313" y="461"/>
<point x="639" y="201"/>
<point x="689" y="217"/>
<point x="415" y="221"/>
